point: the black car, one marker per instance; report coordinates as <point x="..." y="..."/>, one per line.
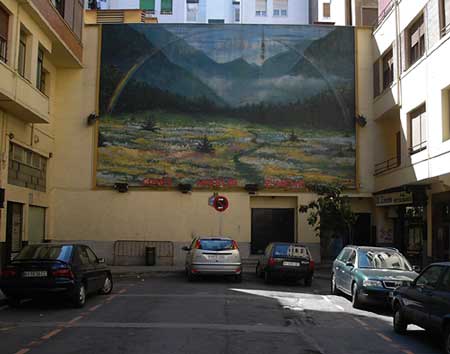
<point x="426" y="302"/>
<point x="70" y="270"/>
<point x="290" y="261"/>
<point x="370" y="274"/>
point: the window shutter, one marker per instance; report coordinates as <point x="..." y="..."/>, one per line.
<point x="415" y="132"/>
<point x="261" y="5"/>
<point x="369" y="16"/>
<point x="376" y="79"/>
<point x="326" y="9"/>
<point x="280" y="4"/>
<point x="147" y="5"/>
<point x="166" y="5"/>
<point x="423" y="128"/>
<point x="4" y="17"/>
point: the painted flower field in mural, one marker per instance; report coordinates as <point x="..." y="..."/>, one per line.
<point x="224" y="106"/>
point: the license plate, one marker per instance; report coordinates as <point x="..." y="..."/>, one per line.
<point x="35" y="274"/>
<point x="291" y="264"/>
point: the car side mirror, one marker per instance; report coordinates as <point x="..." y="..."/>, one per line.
<point x="100" y="260"/>
<point x="186" y="248"/>
<point x="416" y="269"/>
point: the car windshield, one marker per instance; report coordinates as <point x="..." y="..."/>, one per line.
<point x="382" y="259"/>
<point x="216" y="244"/>
<point x="47" y="252"/>
<point x="286" y="250"/>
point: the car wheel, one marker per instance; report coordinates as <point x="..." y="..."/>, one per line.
<point x="447" y="340"/>
<point x="238" y="278"/>
<point x="259" y="273"/>
<point x="190" y="277"/>
<point x="13" y="302"/>
<point x="334" y="290"/>
<point x="399" y="322"/>
<point x="267" y="277"/>
<point x="79" y="297"/>
<point x="308" y="280"/>
<point x="107" y="285"/>
<point x="355" y="296"/>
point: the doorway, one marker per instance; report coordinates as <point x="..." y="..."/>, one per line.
<point x="14" y="222"/>
<point x="271" y="225"/>
<point x="362" y="230"/>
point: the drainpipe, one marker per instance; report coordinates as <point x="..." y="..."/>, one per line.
<point x="399" y="52"/>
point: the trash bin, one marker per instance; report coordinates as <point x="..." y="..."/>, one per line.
<point x="150" y="256"/>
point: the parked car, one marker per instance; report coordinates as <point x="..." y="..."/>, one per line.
<point x="291" y="261"/>
<point x="370" y="274"/>
<point x="213" y="255"/>
<point x="425" y="303"/>
<point x="69" y="270"/>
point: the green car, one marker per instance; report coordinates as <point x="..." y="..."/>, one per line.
<point x="370" y="274"/>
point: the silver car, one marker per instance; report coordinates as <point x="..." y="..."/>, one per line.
<point x="213" y="255"/>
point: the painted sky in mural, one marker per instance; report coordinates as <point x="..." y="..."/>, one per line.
<point x="226" y="105"/>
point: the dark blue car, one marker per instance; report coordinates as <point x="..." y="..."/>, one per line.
<point x="425" y="303"/>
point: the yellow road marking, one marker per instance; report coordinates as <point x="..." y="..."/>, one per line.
<point x="52" y="333"/>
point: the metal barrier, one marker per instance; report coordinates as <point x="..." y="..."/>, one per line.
<point x="131" y="252"/>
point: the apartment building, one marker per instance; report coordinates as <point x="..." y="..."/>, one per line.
<point x="411" y="99"/>
<point x="40" y="48"/>
<point x="344" y="12"/>
<point x="215" y="11"/>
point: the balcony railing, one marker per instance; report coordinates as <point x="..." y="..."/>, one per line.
<point x="3" y="49"/>
<point x="386" y="11"/>
<point x="387" y="165"/>
<point x="445" y="30"/>
<point x="417" y="148"/>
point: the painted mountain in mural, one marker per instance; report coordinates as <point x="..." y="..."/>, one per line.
<point x="224" y="106"/>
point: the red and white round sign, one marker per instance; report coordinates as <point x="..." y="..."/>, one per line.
<point x="220" y="203"/>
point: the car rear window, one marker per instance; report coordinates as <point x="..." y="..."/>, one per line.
<point x="382" y="259"/>
<point x="290" y="251"/>
<point x="47" y="252"/>
<point x="216" y="244"/>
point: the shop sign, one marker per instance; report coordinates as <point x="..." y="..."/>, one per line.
<point x="396" y="198"/>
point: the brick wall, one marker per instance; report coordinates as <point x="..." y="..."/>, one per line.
<point x="31" y="175"/>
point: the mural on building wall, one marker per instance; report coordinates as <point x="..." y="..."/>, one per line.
<point x="222" y="106"/>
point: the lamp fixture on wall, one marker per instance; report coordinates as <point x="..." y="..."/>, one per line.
<point x="251" y="188"/>
<point x="92" y="118"/>
<point x="121" y="187"/>
<point x="185" y="188"/>
<point x="361" y="120"/>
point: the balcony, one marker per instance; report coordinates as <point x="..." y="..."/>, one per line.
<point x="387" y="165"/>
<point x="19" y="97"/>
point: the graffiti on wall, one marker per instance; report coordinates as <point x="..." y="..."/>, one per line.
<point x="222" y="106"/>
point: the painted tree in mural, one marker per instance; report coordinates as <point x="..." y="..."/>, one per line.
<point x="101" y="140"/>
<point x="150" y="125"/>
<point x="205" y="145"/>
<point x="292" y="136"/>
<point x="331" y="216"/>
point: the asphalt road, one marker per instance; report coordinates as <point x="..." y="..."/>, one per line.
<point x="167" y="315"/>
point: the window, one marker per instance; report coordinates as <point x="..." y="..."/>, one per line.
<point x="416" y="40"/>
<point x="83" y="255"/>
<point x="92" y="256"/>
<point x="192" y="10"/>
<point x="261" y="7"/>
<point x="369" y="16"/>
<point x="326" y="9"/>
<point x="352" y="258"/>
<point x="280" y="7"/>
<point x="148" y="5"/>
<point x="376" y="79"/>
<point x="237" y="13"/>
<point x="430" y="277"/>
<point x="343" y="256"/>
<point x="444" y="16"/>
<point x="388" y="69"/>
<point x="60" y="5"/>
<point x="21" y="66"/>
<point x="40" y="80"/>
<point x="4" y="23"/>
<point x="446" y="114"/>
<point x="418" y="130"/>
<point x="166" y="7"/>
<point x="446" y="281"/>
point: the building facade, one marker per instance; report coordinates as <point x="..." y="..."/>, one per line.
<point x="40" y="43"/>
<point x="411" y="113"/>
<point x="344" y="12"/>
